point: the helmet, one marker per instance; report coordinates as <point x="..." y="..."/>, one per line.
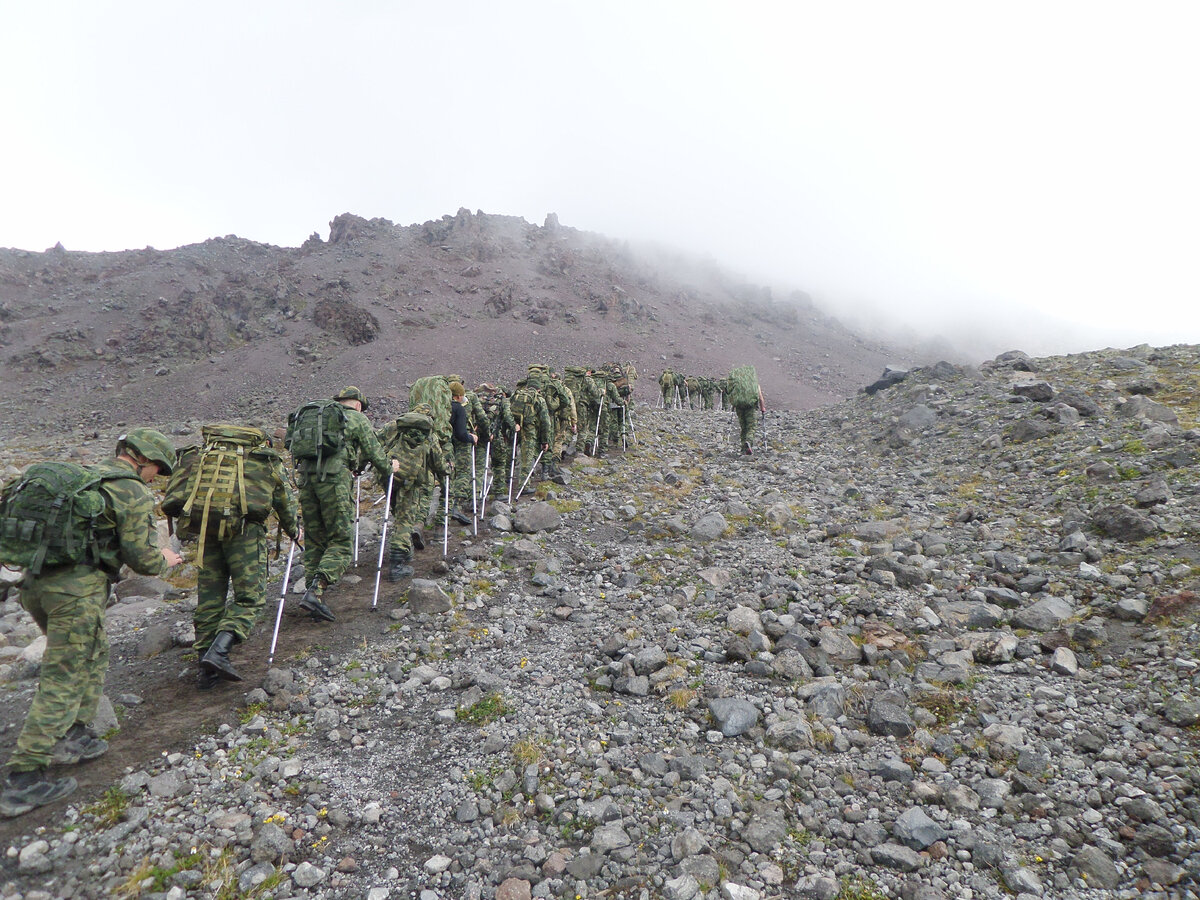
<point x="352" y="393"/>
<point x="153" y="445"/>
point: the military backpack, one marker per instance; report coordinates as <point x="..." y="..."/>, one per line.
<point x="524" y="405"/>
<point x="435" y="392"/>
<point x="743" y="386"/>
<point x="316" y="431"/>
<point x="219" y="487"/>
<point x="50" y="516"/>
<point x="407" y="441"/>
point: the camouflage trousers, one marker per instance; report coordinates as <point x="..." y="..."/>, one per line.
<point x="613" y="424"/>
<point x="502" y="467"/>
<point x="668" y="395"/>
<point x="587" y="427"/>
<point x="68" y="606"/>
<point x="528" y="450"/>
<point x="460" y="480"/>
<point x="408" y="515"/>
<point x="242" y="560"/>
<point x="562" y="437"/>
<point x="746" y="416"/>
<point x="328" y="511"/>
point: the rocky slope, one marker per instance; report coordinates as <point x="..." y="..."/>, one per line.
<point x="936" y="642"/>
<point x="232" y="328"/>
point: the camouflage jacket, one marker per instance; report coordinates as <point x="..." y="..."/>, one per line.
<point x="499" y="416"/>
<point x="127" y="533"/>
<point x="566" y="412"/>
<point x="477" y="417"/>
<point x="418" y="452"/>
<point x="283" y="501"/>
<point x="536" y="424"/>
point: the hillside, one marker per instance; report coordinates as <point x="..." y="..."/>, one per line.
<point x="936" y="642"/>
<point x="231" y="328"/>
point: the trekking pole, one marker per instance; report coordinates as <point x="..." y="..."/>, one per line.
<point x="599" y="416"/>
<point x="762" y="427"/>
<point x="532" y="469"/>
<point x="387" y="514"/>
<point x="357" y="513"/>
<point x="446" y="520"/>
<point x="474" y="496"/>
<point x="512" y="468"/>
<point x="287" y="577"/>
<point x="623" y="447"/>
<point x="632" y="427"/>
<point x="487" y="478"/>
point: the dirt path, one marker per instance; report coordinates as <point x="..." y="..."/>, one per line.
<point x="173" y="714"/>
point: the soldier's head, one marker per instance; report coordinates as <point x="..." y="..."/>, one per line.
<point x="150" y="452"/>
<point x="352" y="397"/>
<point x="457" y="391"/>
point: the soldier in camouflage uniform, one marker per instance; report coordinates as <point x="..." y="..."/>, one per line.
<point x="708" y="387"/>
<point x="501" y="427"/>
<point x="411" y="440"/>
<point x="666" y="383"/>
<point x="240" y="558"/>
<point x="327" y="503"/>
<point x="530" y="412"/>
<point x="610" y="421"/>
<point x="566" y="423"/>
<point x="68" y="603"/>
<point x="587" y="401"/>
<point x="434" y="392"/>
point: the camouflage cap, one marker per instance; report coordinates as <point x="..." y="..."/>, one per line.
<point x="457" y="390"/>
<point x="452" y="378"/>
<point x="539" y="369"/>
<point x="423" y="409"/>
<point x="352" y="393"/>
<point x="153" y="445"/>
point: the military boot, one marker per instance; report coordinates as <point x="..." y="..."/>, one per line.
<point x="312" y="603"/>
<point x="79" y="743"/>
<point x="418" y="539"/>
<point x="216" y="657"/>
<point x="207" y="679"/>
<point x="23" y="791"/>
<point x="400" y="567"/>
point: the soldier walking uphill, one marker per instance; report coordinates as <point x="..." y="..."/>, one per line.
<point x="411" y="440"/>
<point x="463" y="433"/>
<point x="502" y="427"/>
<point x="224" y="492"/>
<point x="326" y="439"/>
<point x="746" y="396"/>
<point x="66" y="590"/>
<point x="530" y="413"/>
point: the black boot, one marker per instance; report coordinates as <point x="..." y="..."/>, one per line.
<point x="78" y="744"/>
<point x="216" y="657"/>
<point x="418" y="540"/>
<point x="400" y="567"/>
<point x="312" y="604"/>
<point x="22" y="791"/>
<point x="461" y="517"/>
<point x="207" y="679"/>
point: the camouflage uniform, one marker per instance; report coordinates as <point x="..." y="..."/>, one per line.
<point x="610" y="423"/>
<point x="411" y="440"/>
<point x="692" y="393"/>
<point x="708" y="388"/>
<point x="535" y="432"/>
<point x="566" y="421"/>
<point x="501" y="428"/>
<point x="327" y="502"/>
<point x="434" y="392"/>
<point x="240" y="558"/>
<point x="666" y="383"/>
<point x="68" y="604"/>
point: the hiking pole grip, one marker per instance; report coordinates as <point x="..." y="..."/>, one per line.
<point x="387" y="514"/>
<point x="287" y="577"/>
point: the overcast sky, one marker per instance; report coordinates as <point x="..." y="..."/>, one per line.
<point x="1020" y="174"/>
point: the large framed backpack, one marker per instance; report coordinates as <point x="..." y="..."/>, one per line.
<point x="217" y="488"/>
<point x="743" y="386"/>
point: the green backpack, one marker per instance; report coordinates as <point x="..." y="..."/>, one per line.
<point x="216" y="488"/>
<point x="407" y="440"/>
<point x="743" y="386"/>
<point x="524" y="405"/>
<point x="49" y="516"/>
<point x="316" y="431"/>
<point x="434" y="391"/>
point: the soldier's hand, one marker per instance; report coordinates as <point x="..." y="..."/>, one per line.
<point x="516" y="428"/>
<point x="545" y="447"/>
<point x="395" y="465"/>
<point x="574" y="429"/>
<point x="474" y="439"/>
<point x="172" y="558"/>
